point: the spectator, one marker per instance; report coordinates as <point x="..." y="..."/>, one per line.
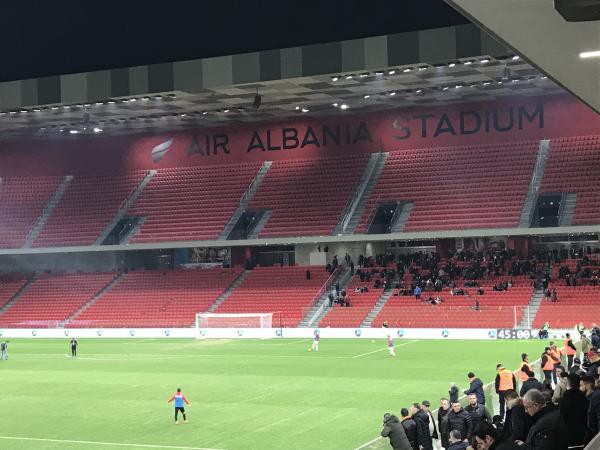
<point x="433" y="432"/>
<point x="453" y="393"/>
<point x="530" y="383"/>
<point x="475" y="387"/>
<point x="418" y="293"/>
<point x="586" y="384"/>
<point x="561" y="386"/>
<point x="574" y="409"/>
<point x="518" y="422"/>
<point x="593" y="421"/>
<point x="410" y="428"/>
<point x="548" y="430"/>
<point x="594" y="366"/>
<point x="576" y="368"/>
<point x="422" y="421"/>
<point x="308" y="274"/>
<point x="489" y="438"/>
<point x="554" y="295"/>
<point x="459" y="419"/>
<point x="477" y="411"/>
<point x="584" y="344"/>
<point x="456" y="442"/>
<point x="505" y="381"/>
<point x="580" y="329"/>
<point x="393" y="429"/>
<point x="444" y="430"/>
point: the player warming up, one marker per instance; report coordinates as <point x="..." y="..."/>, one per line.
<point x="390" y="344"/>
<point x="316" y="338"/>
<point x="179" y="399"/>
<point x="73" y="344"/>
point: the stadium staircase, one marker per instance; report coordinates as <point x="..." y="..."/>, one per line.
<point x="534" y="305"/>
<point x="264" y="218"/>
<point x="93" y="300"/>
<point x="534" y="184"/>
<point x="221" y="298"/>
<point x="399" y="221"/>
<point x="128" y="203"/>
<point x="18" y="294"/>
<point x="378" y="307"/>
<point x="50" y="207"/>
<point x="355" y="207"/>
<point x="567" y="209"/>
<point x="252" y="188"/>
<point x="320" y="308"/>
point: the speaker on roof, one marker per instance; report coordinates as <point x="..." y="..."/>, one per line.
<point x="578" y="10"/>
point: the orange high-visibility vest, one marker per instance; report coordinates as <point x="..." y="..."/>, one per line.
<point x="506" y="380"/>
<point x="556" y="354"/>
<point x="549" y="363"/>
<point x="568" y="350"/>
<point x="524" y="376"/>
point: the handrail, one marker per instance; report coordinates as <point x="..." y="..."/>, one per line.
<point x="373" y="213"/>
<point x="397" y="212"/>
<point x="362" y="187"/>
<point x="326" y="286"/>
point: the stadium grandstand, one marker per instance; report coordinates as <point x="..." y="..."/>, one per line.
<point x="200" y="218"/>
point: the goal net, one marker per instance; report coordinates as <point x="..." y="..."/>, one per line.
<point x="254" y="320"/>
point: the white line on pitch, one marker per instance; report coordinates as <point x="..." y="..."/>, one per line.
<point x="382" y="349"/>
<point x="114" y="444"/>
<point x="294" y="342"/>
<point x="368" y="443"/>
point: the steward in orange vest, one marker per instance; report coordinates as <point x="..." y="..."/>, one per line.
<point x="505" y="381"/>
<point x="570" y="350"/>
<point x="556" y="355"/>
<point x="547" y="364"/>
<point x="525" y="367"/>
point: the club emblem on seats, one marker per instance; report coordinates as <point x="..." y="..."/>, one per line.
<point x="161" y="150"/>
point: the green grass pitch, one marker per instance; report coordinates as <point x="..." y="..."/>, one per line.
<point x="245" y="394"/>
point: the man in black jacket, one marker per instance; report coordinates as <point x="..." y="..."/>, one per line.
<point x="593" y="415"/>
<point x="459" y="419"/>
<point x="489" y="438"/>
<point x="444" y="429"/>
<point x="530" y="383"/>
<point x="518" y="422"/>
<point x="422" y="421"/>
<point x="475" y="387"/>
<point x="574" y="408"/>
<point x="393" y="429"/>
<point x="477" y="411"/>
<point x="548" y="431"/>
<point x="410" y="428"/>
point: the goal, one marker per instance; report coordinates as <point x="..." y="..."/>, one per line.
<point x="254" y="320"/>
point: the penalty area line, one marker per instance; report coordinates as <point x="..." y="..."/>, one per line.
<point x="114" y="444"/>
<point x="382" y="349"/>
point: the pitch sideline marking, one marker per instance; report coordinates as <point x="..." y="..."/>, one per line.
<point x="460" y="398"/>
<point x="382" y="349"/>
<point x="116" y="444"/>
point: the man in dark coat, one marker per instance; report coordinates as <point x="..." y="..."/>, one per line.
<point x="593" y="415"/>
<point x="410" y="428"/>
<point x="453" y="393"/>
<point x="422" y="421"/>
<point x="477" y="411"/>
<point x="393" y="429"/>
<point x="456" y="442"/>
<point x="459" y="419"/>
<point x="518" y="422"/>
<point x="444" y="429"/>
<point x="548" y="431"/>
<point x="574" y="408"/>
<point x="530" y="383"/>
<point x="475" y="387"/>
<point x="489" y="438"/>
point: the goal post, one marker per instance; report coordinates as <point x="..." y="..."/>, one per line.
<point x="239" y="320"/>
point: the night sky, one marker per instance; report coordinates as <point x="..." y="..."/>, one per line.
<point x="42" y="38"/>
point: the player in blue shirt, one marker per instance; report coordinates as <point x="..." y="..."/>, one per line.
<point x="179" y="400"/>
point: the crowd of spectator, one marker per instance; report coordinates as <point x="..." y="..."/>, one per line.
<point x="544" y="415"/>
